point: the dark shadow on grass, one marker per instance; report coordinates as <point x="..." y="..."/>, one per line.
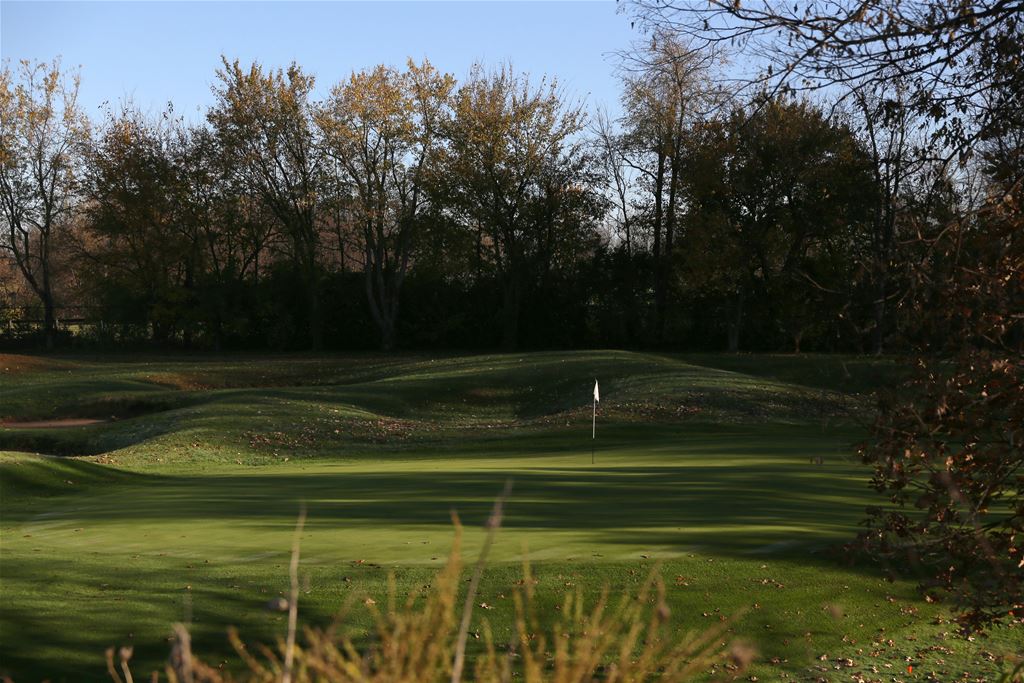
<point x="64" y="638"/>
<point x="727" y="509"/>
<point x="93" y="439"/>
<point x="96" y="608"/>
<point x="23" y="477"/>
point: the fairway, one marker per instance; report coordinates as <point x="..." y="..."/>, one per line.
<point x="733" y="477"/>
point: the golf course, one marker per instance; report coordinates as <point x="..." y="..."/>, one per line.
<point x="142" y="491"/>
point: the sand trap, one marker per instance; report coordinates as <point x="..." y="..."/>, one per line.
<point x="51" y="424"/>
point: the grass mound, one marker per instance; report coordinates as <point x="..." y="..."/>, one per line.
<point x="311" y="407"/>
<point x="25" y="477"/>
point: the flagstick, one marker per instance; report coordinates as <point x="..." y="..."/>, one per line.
<point x="593" y="433"/>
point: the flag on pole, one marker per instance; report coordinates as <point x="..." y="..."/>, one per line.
<point x="593" y="433"/>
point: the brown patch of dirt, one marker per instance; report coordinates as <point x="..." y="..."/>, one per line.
<point x="176" y="380"/>
<point x="50" y="424"/>
<point x="17" y="363"/>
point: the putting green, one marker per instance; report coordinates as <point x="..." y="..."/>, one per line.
<point x="185" y="509"/>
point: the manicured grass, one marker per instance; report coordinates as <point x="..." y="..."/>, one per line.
<point x="184" y="510"/>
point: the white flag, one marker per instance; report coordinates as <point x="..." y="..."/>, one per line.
<point x="597" y="394"/>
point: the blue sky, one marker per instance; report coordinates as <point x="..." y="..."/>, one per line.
<point x="152" y="52"/>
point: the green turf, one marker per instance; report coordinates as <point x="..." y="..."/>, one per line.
<point x="185" y="506"/>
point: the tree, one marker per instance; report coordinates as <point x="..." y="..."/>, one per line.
<point x="610" y="149"/>
<point x="143" y="249"/>
<point x="945" y="54"/>
<point x="511" y="167"/>
<point x="946" y="449"/>
<point x="622" y="190"/>
<point x="229" y="232"/>
<point x="41" y="133"/>
<point x="946" y="446"/>
<point x="667" y="89"/>
<point x="382" y="129"/>
<point x="263" y="122"/>
<point x="777" y="195"/>
<point x="948" y="440"/>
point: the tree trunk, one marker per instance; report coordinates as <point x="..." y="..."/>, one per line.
<point x="633" y="332"/>
<point x="388" y="338"/>
<point x="46" y="296"/>
<point x="384" y="316"/>
<point x="316" y="325"/>
<point x="305" y="247"/>
<point x="49" y="321"/>
<point x="884" y="239"/>
<point x="218" y="320"/>
<point x="659" y="289"/>
<point x="382" y="298"/>
<point x="735" y="322"/>
<point x="665" y="262"/>
<point x="510" y="316"/>
<point x="878" y="335"/>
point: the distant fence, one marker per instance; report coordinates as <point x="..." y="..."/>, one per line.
<point x="24" y="321"/>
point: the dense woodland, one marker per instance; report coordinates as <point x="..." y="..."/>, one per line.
<point x="409" y="209"/>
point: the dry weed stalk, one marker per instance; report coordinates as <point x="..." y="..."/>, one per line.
<point x="493" y="523"/>
<point x="293" y="599"/>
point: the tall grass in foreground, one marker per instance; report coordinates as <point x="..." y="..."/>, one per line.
<point x="423" y="639"/>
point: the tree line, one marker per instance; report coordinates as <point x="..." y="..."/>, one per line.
<point x="406" y="208"/>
